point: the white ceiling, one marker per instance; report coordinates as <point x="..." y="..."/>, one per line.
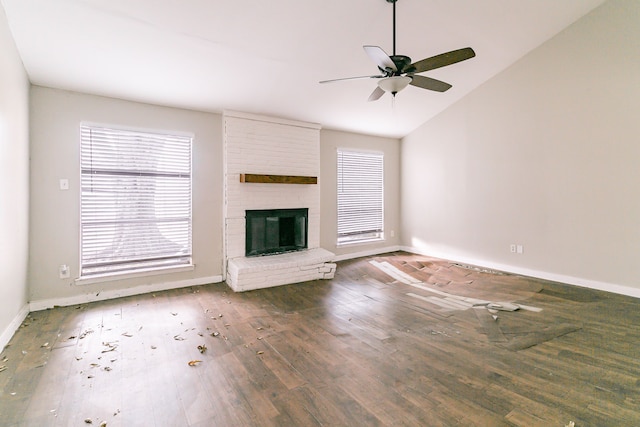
<point x="266" y="57"/>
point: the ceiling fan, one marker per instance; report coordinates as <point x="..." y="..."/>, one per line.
<point x="397" y="71"/>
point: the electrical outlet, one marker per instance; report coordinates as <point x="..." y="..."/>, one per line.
<point x="63" y="271"/>
<point x="512" y="248"/>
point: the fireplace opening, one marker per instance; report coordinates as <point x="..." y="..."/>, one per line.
<point x="275" y="231"/>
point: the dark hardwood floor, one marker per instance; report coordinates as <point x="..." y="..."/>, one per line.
<point x="406" y="341"/>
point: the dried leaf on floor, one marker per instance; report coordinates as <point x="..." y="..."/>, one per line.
<point x="194" y="362"/>
<point x="44" y="345"/>
<point x="103" y="424"/>
<point x="3" y="368"/>
<point x="178" y="338"/>
<point x="88" y="420"/>
<point x="85" y="333"/>
<point x="127" y="334"/>
<point x="174" y="314"/>
<point x="202" y="348"/>
<point x="215" y="334"/>
<point x="260" y="352"/>
<point x="153" y="347"/>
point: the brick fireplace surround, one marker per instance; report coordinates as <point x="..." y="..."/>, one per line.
<point x="261" y="145"/>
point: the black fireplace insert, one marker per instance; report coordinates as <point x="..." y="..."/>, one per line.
<point x="275" y="231"/>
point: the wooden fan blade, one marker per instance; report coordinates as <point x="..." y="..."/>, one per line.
<point x="380" y="57"/>
<point x="429" y="83"/>
<point x="376" y="94"/>
<point x="443" y="59"/>
<point x="352" y="78"/>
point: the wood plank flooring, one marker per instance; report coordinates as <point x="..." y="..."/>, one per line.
<point x="404" y="341"/>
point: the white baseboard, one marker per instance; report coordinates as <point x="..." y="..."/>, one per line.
<point x="370" y="252"/>
<point x="570" y="280"/>
<point x="117" y="293"/>
<point x="13" y="326"/>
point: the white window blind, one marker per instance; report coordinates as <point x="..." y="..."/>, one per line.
<point x="135" y="200"/>
<point x="360" y="196"/>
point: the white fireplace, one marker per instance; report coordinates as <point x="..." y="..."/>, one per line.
<point x="283" y="159"/>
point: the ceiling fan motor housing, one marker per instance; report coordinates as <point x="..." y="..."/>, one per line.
<point x="403" y="64"/>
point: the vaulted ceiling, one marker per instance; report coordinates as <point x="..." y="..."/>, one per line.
<point x="267" y="57"/>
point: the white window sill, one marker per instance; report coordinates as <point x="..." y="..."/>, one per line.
<point x="360" y="242"/>
<point x="101" y="278"/>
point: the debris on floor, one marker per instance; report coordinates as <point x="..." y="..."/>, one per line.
<point x="85" y="333"/>
<point x="503" y="306"/>
<point x="485" y="310"/>
<point x="478" y="269"/>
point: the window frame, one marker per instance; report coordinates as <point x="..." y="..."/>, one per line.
<point x="159" y="177"/>
<point x="361" y="233"/>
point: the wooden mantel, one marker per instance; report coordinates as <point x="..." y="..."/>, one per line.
<point x="278" y="179"/>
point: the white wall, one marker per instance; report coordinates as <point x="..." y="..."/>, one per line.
<point x="55" y="119"/>
<point x="14" y="184"/>
<point x="545" y="155"/>
<point x="330" y="142"/>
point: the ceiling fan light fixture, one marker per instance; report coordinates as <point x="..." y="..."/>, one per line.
<point x="394" y="84"/>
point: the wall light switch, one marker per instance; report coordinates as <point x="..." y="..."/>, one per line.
<point x="520" y="249"/>
<point x="64" y="184"/>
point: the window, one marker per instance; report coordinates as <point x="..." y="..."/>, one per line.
<point x="360" y="196"/>
<point x="135" y="201"/>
